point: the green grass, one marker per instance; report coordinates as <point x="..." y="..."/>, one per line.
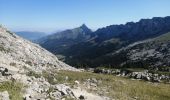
<point x="32" y="73"/>
<point x="13" y="88"/>
<point x="4" y="49"/>
<point x="49" y="77"/>
<point x="135" y="69"/>
<point x="13" y="64"/>
<point x="11" y="33"/>
<point x="163" y="73"/>
<point x="119" y="87"/>
<point x="29" y="63"/>
<point x="164" y="37"/>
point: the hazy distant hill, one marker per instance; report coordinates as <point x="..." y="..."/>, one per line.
<point x="31" y="35"/>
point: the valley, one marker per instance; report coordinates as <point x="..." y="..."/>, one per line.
<point x="84" y="50"/>
<point x="117" y="62"/>
<point x="143" y="44"/>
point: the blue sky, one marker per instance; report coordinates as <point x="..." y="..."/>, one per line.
<point x="52" y="15"/>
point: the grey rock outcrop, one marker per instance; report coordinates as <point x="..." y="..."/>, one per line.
<point x="142" y="75"/>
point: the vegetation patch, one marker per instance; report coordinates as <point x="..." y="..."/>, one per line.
<point x="11" y="33"/>
<point x="163" y="38"/>
<point x="13" y="64"/>
<point x="163" y="73"/>
<point x="50" y="77"/>
<point x="13" y="88"/>
<point x="134" y="69"/>
<point x="32" y="73"/>
<point x="29" y="63"/>
<point x="51" y="89"/>
<point x="4" y="49"/>
<point x="119" y="87"/>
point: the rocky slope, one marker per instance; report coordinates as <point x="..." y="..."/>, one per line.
<point x="17" y="52"/>
<point x="29" y="72"/>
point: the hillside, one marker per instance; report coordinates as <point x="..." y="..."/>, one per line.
<point x="18" y="52"/>
<point x="152" y="53"/>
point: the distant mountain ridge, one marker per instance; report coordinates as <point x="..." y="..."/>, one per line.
<point x="143" y="29"/>
<point x="32" y="36"/>
<point x="94" y="51"/>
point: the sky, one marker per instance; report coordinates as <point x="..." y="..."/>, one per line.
<point x="54" y="15"/>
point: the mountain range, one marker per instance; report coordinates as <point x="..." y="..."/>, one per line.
<point x="125" y="45"/>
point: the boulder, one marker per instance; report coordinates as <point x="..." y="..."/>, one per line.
<point x="94" y="80"/>
<point x="56" y="94"/>
<point x="4" y="95"/>
<point x="82" y="97"/>
<point x="148" y="78"/>
<point x="156" y="79"/>
<point x="27" y="97"/>
<point x="65" y="90"/>
<point x="4" y="71"/>
<point x="77" y="82"/>
<point x="139" y="75"/>
<point x="123" y="73"/>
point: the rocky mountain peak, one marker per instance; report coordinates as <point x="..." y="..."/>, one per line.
<point x="84" y="26"/>
<point x="86" y="30"/>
